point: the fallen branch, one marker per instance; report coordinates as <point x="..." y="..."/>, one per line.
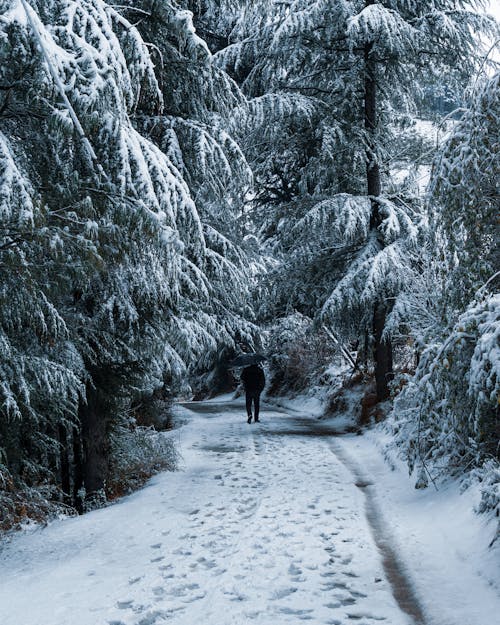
<point x="344" y="351"/>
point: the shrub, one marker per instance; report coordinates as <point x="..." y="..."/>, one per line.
<point x="299" y="355"/>
<point x="137" y="453"/>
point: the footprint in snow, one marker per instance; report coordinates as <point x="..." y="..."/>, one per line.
<point x="294" y="570"/>
<point x="152" y="618"/>
<point x="347" y="601"/>
<point x="283" y="592"/>
<point x="124" y="605"/>
<point x="194" y="598"/>
<point x="293" y="612"/>
<point x="182" y="590"/>
<point x="208" y="564"/>
<point x="158" y="591"/>
<point x="333" y="606"/>
<point x="158" y="559"/>
<point x="165" y="567"/>
<point x="235" y="595"/>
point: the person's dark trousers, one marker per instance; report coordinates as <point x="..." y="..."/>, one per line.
<point x="253" y="396"/>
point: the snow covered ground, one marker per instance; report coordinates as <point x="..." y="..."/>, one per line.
<point x="271" y="523"/>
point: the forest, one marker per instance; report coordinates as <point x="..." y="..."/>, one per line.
<point x="184" y="180"/>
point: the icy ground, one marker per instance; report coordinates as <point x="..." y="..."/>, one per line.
<point x="266" y="524"/>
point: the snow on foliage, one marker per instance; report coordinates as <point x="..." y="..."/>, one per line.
<point x="115" y="271"/>
<point x="383" y="25"/>
<point x="447" y="413"/>
<point x="16" y="206"/>
<point x="378" y="261"/>
<point x="449" y="407"/>
<point x="302" y="66"/>
<point x="341" y="218"/>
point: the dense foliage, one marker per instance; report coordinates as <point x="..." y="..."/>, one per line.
<point x="172" y="172"/>
<point x="447" y="415"/>
<point x="116" y="246"/>
<point x="332" y="86"/>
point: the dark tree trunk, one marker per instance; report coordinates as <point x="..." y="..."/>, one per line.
<point x="93" y="418"/>
<point x="382" y="349"/>
<point x="64" y="464"/>
<point x="382" y="353"/>
<point x="77" y="469"/>
<point x="370" y="102"/>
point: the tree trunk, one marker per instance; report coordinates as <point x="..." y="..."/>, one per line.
<point x="93" y="418"/>
<point x="77" y="470"/>
<point x="64" y="464"/>
<point x="382" y="350"/>
<point x="382" y="353"/>
<point x="370" y="102"/>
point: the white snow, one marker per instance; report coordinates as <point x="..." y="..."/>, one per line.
<point x="263" y="524"/>
<point x="303" y="404"/>
<point x="442" y="542"/>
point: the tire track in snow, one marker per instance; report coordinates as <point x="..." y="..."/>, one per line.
<point x="402" y="588"/>
<point x="331" y="578"/>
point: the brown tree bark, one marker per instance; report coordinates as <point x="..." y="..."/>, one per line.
<point x="382" y="349"/>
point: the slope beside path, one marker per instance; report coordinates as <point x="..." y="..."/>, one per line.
<point x="264" y="523"/>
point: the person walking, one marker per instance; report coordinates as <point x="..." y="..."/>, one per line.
<point x="254" y="380"/>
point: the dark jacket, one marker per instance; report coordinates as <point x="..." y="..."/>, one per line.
<point x="253" y="379"/>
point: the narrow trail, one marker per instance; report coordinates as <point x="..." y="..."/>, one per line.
<point x="394" y="568"/>
<point x="263" y="525"/>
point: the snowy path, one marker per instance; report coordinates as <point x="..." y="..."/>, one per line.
<point x="264" y="525"/>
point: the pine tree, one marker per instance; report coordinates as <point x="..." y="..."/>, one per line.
<point x="192" y="129"/>
<point x="119" y="275"/>
<point x="341" y="76"/>
<point x="448" y="411"/>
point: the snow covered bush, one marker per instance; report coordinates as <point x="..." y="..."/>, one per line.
<point x="137" y="453"/>
<point x="446" y="417"/>
<point x="298" y="355"/>
<point x="21" y="505"/>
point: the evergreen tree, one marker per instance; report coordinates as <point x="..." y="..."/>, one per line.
<point x="448" y="411"/>
<point x="192" y="129"/>
<point x="109" y="231"/>
<point x="342" y="76"/>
